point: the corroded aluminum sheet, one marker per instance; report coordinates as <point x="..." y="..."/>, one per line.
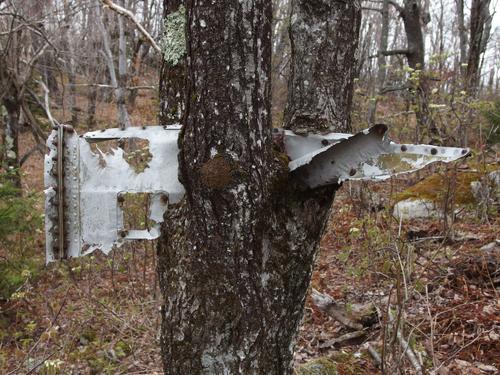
<point x="367" y="155"/>
<point x="90" y="215"/>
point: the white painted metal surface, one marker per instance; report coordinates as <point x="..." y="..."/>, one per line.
<point x="93" y="181"/>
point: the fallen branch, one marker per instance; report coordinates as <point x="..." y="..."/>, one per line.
<point x="389" y="89"/>
<point x="326" y="304"/>
<point x="410" y="354"/>
<point x="373" y="352"/>
<point x="341" y="339"/>
<point x="128" y="14"/>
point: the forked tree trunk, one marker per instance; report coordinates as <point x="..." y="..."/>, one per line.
<point x="235" y="257"/>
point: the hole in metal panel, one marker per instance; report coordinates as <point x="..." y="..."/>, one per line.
<point x="104" y="147"/>
<point x="137" y="154"/>
<point x="135" y="208"/>
<point x="136" y="151"/>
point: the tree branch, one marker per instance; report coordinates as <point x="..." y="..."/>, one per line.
<point x="128" y="14"/>
<point x="372" y="9"/>
<point x="104" y="86"/>
<point x="38" y="147"/>
<point x="398" y="7"/>
<point x="395" y="52"/>
<point x="53" y="122"/>
<point x="37" y="132"/>
<point x="388" y="89"/>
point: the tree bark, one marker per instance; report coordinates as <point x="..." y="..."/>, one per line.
<point x="411" y="14"/>
<point x="173" y="71"/>
<point x="236" y="255"/>
<point x="381" y="60"/>
<point x="70" y="63"/>
<point x="316" y="91"/>
<point x="480" y="27"/>
<point x="462" y="35"/>
<point x="11" y="138"/>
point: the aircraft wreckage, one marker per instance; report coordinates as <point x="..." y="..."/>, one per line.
<point x="90" y="178"/>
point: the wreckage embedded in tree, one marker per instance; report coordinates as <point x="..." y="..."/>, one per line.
<point x="93" y="180"/>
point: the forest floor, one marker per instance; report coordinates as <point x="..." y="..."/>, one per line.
<point x="100" y="315"/>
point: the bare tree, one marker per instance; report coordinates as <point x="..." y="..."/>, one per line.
<point x="462" y="34"/>
<point x="413" y="20"/>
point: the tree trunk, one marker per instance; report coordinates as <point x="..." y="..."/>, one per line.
<point x="235" y="257"/>
<point x="316" y="93"/>
<point x="173" y="68"/>
<point x="117" y="81"/>
<point x="123" y="116"/>
<point x="480" y="27"/>
<point x="70" y="64"/>
<point x="93" y="68"/>
<point x="11" y="138"/>
<point x="381" y="60"/>
<point x="462" y="35"/>
<point x="412" y="20"/>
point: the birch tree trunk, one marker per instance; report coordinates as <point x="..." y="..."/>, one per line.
<point x="11" y="137"/>
<point x="235" y="257"/>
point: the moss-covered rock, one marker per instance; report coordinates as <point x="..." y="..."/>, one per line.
<point x="435" y="187"/>
<point x="319" y="366"/>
